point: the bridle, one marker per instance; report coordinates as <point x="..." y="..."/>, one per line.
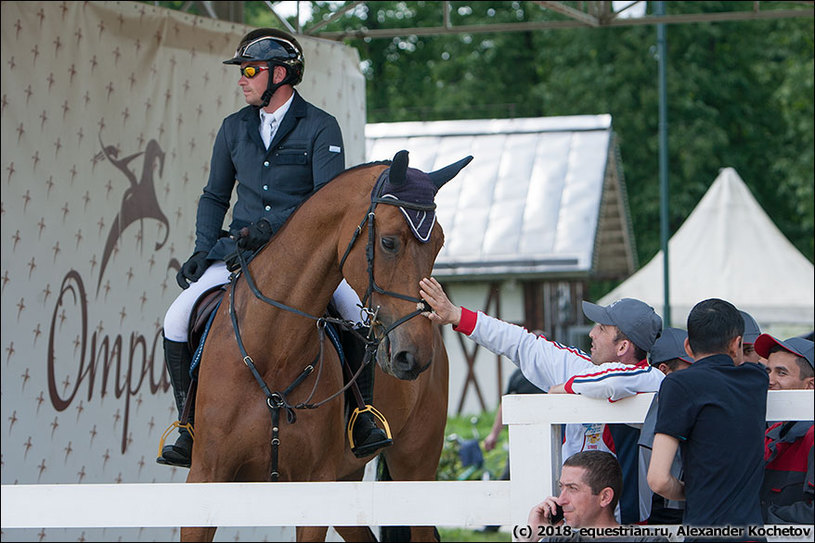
<point x="370" y="218"/>
<point x="275" y="400"/>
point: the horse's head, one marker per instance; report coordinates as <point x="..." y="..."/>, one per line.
<point x="401" y="240"/>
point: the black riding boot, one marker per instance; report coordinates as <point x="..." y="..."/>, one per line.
<point x="178" y="357"/>
<point x="368" y="437"/>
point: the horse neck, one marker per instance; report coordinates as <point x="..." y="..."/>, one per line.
<point x="300" y="265"/>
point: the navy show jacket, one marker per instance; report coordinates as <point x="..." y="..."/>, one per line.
<point x="306" y="152"/>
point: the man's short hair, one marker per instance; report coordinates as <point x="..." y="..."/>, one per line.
<point x="639" y="354"/>
<point x="602" y="470"/>
<point x="712" y="326"/>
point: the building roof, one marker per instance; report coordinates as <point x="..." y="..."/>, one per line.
<point x="543" y="197"/>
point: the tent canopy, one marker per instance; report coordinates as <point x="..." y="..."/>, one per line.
<point x="728" y="248"/>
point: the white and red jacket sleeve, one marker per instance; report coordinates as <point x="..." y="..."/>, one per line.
<point x="544" y="362"/>
<point x="615" y="380"/>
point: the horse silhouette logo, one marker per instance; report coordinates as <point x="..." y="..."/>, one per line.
<point x="139" y="201"/>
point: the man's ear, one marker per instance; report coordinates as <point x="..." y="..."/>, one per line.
<point x="623" y="347"/>
<point x="663" y="367"/>
<point x="809" y="383"/>
<point x="606" y="495"/>
<point x="736" y="350"/>
<point x="688" y="349"/>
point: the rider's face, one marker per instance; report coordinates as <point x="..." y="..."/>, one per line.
<point x="254" y="87"/>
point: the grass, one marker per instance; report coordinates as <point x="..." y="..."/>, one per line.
<point x="451" y="468"/>
<point x="462" y="534"/>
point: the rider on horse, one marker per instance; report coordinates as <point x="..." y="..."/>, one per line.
<point x="280" y="149"/>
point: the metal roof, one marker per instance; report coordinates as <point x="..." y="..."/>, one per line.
<point x="543" y="196"/>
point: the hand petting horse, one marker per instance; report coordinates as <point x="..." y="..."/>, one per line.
<point x="265" y="355"/>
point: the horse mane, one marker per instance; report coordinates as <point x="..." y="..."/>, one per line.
<point x="359" y="166"/>
<point x="347" y="170"/>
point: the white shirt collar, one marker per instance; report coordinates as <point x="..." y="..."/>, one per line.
<point x="279" y="113"/>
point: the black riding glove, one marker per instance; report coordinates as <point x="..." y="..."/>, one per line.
<point x="192" y="269"/>
<point x="255" y="236"/>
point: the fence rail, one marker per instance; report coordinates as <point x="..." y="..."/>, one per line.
<point x="534" y="438"/>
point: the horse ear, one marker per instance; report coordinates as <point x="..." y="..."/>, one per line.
<point x="396" y="177"/>
<point x="442" y="176"/>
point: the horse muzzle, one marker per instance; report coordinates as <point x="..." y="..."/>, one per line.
<point x="403" y="364"/>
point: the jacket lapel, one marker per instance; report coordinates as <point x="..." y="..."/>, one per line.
<point x="252" y="119"/>
<point x="296" y="110"/>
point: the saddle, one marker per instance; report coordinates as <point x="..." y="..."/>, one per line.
<point x="201" y="311"/>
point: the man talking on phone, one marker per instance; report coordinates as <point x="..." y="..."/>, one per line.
<point x="590" y="485"/>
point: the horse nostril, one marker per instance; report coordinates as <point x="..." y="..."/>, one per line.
<point x="404" y="361"/>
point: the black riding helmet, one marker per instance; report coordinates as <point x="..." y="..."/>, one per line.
<point x="275" y="48"/>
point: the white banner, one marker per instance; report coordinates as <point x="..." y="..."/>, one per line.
<point x="109" y="112"/>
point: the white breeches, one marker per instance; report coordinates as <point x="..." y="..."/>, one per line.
<point x="177" y="318"/>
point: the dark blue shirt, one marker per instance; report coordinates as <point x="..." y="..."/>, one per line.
<point x="717" y="411"/>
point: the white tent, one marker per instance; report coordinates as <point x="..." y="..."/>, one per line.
<point x="729" y="248"/>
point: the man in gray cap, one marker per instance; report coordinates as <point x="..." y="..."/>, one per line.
<point x="668" y="355"/>
<point x="789" y="489"/>
<point x="751" y="333"/>
<point x="623" y="334"/>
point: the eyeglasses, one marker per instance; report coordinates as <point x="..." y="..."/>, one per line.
<point x="251" y="71"/>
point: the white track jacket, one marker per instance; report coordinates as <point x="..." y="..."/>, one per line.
<point x="547" y="363"/>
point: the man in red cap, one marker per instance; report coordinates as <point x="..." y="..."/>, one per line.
<point x="788" y="489"/>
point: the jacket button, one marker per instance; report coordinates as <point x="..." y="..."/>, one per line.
<point x="268" y="208"/>
<point x="265" y="187"/>
<point x="266" y="164"/>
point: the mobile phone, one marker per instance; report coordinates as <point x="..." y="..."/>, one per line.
<point x="558" y="516"/>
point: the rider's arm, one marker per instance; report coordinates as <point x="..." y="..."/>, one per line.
<point x="214" y="202"/>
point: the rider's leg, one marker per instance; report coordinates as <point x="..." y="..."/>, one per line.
<point x="178" y="356"/>
<point x="368" y="437"/>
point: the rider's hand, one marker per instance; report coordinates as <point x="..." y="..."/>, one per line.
<point x="192" y="269"/>
<point x="444" y="312"/>
<point x="255" y="236"/>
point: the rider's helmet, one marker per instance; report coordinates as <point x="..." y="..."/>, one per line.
<point x="276" y="48"/>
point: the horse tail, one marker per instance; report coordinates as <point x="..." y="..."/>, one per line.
<point x="393" y="533"/>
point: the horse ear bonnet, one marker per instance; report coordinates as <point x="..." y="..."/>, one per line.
<point x="417" y="187"/>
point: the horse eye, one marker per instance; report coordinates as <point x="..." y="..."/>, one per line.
<point x="389" y="244"/>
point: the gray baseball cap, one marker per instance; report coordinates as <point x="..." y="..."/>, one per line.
<point x="670" y="345"/>
<point x="637" y="320"/>
<point x="751" y="329"/>
<point x="796" y="345"/>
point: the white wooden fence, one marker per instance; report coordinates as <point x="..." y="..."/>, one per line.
<point x="534" y="438"/>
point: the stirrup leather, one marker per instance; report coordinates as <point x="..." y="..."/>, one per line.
<point x="373" y="411"/>
<point x="177" y="424"/>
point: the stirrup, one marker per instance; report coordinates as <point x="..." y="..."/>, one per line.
<point x="352" y="420"/>
<point x="177" y="424"/>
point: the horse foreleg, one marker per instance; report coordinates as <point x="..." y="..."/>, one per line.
<point x="197" y="534"/>
<point x="311" y="533"/>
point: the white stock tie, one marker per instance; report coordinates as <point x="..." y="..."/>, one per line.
<point x="267" y="130"/>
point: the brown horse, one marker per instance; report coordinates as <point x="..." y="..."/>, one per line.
<point x="345" y="229"/>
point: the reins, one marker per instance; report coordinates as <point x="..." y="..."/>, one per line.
<point x="276" y="401"/>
